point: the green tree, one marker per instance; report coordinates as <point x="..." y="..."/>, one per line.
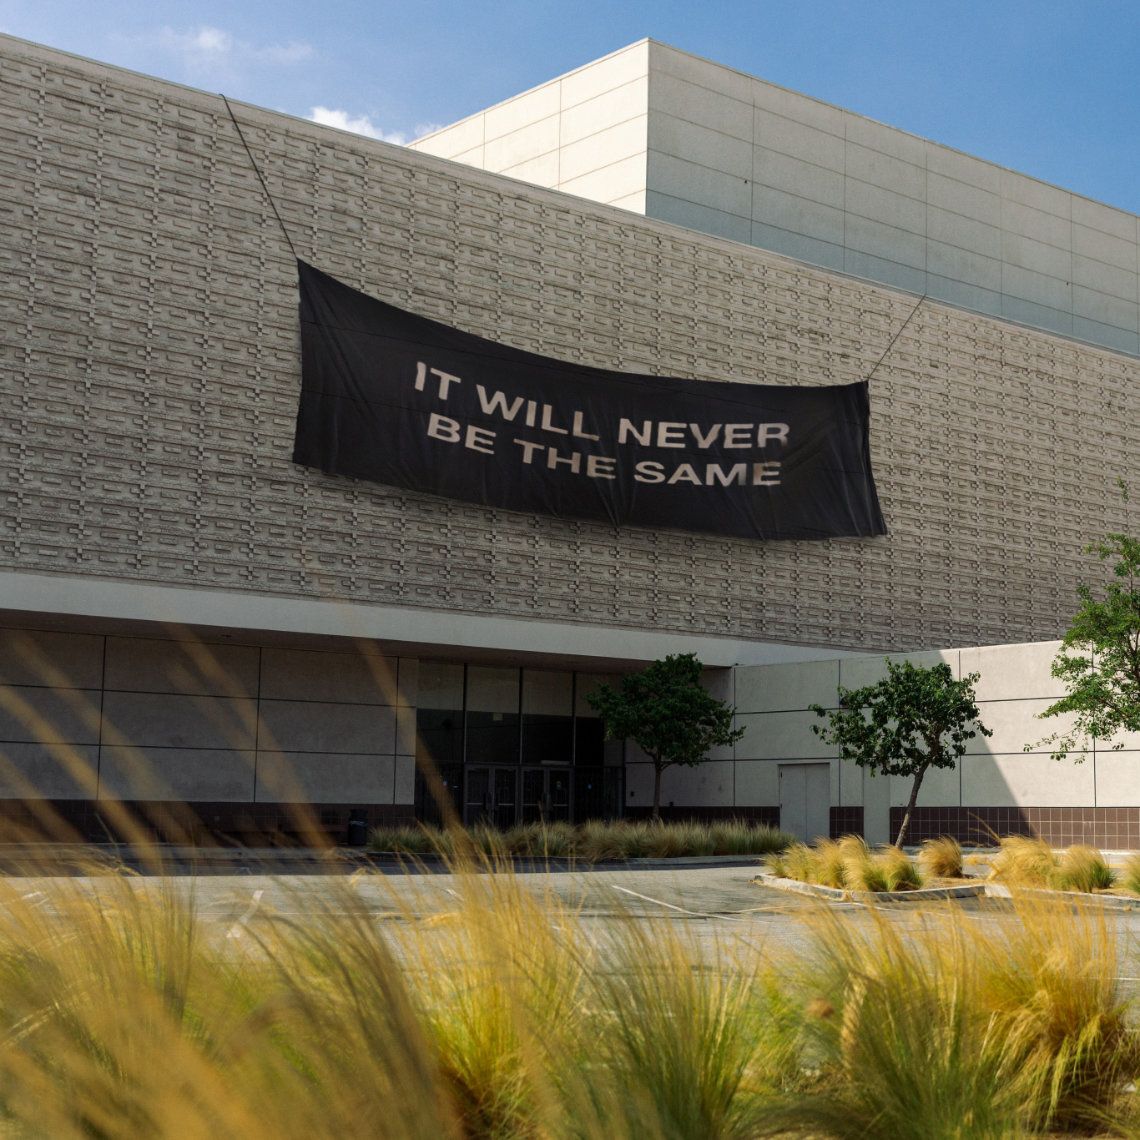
<point x="667" y="713"/>
<point x="1099" y="658"/>
<point x="914" y="719"/>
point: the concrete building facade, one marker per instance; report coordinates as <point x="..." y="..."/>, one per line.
<point x="203" y="621"/>
<point x="669" y="135"/>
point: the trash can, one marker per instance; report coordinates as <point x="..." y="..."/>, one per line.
<point x="357" y="830"/>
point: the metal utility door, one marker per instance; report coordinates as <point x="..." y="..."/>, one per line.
<point x="805" y="800"/>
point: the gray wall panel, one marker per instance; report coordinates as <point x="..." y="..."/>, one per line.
<point x="350" y="678"/>
<point x="49" y="715"/>
<point x="317" y="726"/>
<point x="68" y="772"/>
<point x="169" y="720"/>
<point x="176" y="774"/>
<point x="325" y="778"/>
<point x="37" y="657"/>
<point x="148" y="665"/>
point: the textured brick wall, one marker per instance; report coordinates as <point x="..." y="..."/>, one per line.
<point x="149" y="371"/>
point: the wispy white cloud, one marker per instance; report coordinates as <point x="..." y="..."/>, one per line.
<point x="210" y="51"/>
<point x="296" y="51"/>
<point x="358" y="124"/>
<point x="204" y="41"/>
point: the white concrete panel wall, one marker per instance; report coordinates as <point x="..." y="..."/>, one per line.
<point x="1013" y="768"/>
<point x="658" y="131"/>
<point x="583" y="133"/>
<point x="744" y="159"/>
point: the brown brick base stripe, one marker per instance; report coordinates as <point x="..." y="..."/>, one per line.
<point x="270" y="825"/>
<point x="1109" y="827"/>
<point x="846" y="821"/>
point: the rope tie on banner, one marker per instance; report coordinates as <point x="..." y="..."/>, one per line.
<point x="902" y="329"/>
<point x="260" y="178"/>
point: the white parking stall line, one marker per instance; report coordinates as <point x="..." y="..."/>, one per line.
<point x="235" y="930"/>
<point x="678" y="909"/>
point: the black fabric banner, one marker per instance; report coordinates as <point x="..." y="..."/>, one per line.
<point x="402" y="400"/>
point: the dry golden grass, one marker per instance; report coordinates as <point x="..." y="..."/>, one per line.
<point x="125" y="1015"/>
<point x="847" y="863"/>
<point x="1130" y="876"/>
<point x="1024" y="862"/>
<point x="941" y="857"/>
<point x="593" y="842"/>
<point x="1083" y="869"/>
<point x="944" y="1028"/>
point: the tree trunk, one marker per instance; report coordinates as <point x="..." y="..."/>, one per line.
<point x="657" y="770"/>
<point x="910" y="807"/>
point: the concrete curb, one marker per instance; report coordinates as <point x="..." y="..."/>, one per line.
<point x="925" y="894"/>
<point x="798" y="888"/>
<point x="1101" y="902"/>
<point x="931" y="894"/>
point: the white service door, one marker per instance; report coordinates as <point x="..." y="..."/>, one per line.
<point x="805" y="800"/>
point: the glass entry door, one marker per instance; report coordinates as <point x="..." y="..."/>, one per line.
<point x="545" y="794"/>
<point x="491" y="796"/>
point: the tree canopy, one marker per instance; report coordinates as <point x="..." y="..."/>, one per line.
<point x="1099" y="659"/>
<point x="916" y="718"/>
<point x="667" y="713"/>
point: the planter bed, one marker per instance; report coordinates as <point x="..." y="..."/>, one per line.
<point x="1104" y="899"/>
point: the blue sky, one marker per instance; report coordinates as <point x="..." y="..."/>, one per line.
<point x="1049" y="87"/>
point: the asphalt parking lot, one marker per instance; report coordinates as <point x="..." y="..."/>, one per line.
<point x="713" y="906"/>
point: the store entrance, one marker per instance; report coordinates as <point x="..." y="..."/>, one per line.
<point x="505" y="745"/>
<point x="490" y="796"/>
<point x="546" y="795"/>
<point x="501" y="796"/>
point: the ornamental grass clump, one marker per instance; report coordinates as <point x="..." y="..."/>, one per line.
<point x="855" y="857"/>
<point x="544" y="839"/>
<point x="884" y="869"/>
<point x="1083" y="869"/>
<point x="1050" y="985"/>
<point x="405" y="840"/>
<point x="941" y="858"/>
<point x="948" y="1028"/>
<point x="796" y="861"/>
<point x="599" y="842"/>
<point x="829" y="864"/>
<point x="1024" y="862"/>
<point x="678" y="839"/>
<point x="499" y="990"/>
<point x="682" y="1050"/>
<point x="896" y="1039"/>
<point x="633" y="838"/>
<point x="739" y="837"/>
<point x="899" y="871"/>
<point x="1130" y="876"/>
